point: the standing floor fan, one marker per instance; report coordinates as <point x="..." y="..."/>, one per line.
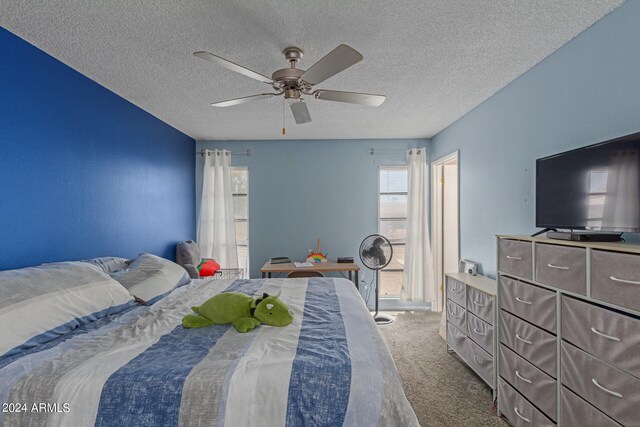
<point x="376" y="253"/>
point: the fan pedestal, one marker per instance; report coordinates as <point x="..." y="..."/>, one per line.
<point x="383" y="319"/>
<point x="379" y="318"/>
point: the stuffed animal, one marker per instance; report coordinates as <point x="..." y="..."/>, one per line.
<point x="241" y="310"/>
<point x="208" y="267"/>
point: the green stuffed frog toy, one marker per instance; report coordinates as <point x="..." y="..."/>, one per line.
<point x="244" y="312"/>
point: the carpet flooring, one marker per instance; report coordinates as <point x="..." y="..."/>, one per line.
<point x="442" y="390"/>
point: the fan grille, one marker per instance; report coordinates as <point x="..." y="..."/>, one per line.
<point x="376" y="252"/>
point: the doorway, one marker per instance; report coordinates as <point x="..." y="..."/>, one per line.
<point x="445" y="219"/>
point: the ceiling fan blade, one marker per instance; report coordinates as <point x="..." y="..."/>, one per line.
<point x="337" y="60"/>
<point x="243" y="100"/>
<point x="232" y="66"/>
<point x="300" y="112"/>
<point x="350" y="97"/>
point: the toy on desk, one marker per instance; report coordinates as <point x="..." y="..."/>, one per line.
<point x="317" y="256"/>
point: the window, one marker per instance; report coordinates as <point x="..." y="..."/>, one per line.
<point x="240" y="190"/>
<point x="597" y="197"/>
<point x="392" y="224"/>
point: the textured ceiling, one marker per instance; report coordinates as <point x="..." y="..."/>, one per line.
<point x="434" y="59"/>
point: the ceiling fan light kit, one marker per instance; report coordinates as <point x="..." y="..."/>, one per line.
<point x="293" y="82"/>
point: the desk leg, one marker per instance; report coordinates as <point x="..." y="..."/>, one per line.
<point x="357" y="283"/>
<point x="349" y="275"/>
<point x="264" y="274"/>
<point x="269" y="275"/>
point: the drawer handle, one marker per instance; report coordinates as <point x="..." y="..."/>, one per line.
<point x="520" y="415"/>
<point x="523" y="340"/>
<point x="595" y="331"/>
<point x="606" y="390"/>
<point x="459" y="316"/>
<point x="477" y="360"/>
<point x="478" y="332"/>
<point x="557" y="267"/>
<point x="628" y="282"/>
<point x="457" y="291"/>
<point x="523" y="301"/>
<point x="517" y="258"/>
<point x="478" y="303"/>
<point x="522" y="378"/>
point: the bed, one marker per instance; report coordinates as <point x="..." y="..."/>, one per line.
<point x="140" y="367"/>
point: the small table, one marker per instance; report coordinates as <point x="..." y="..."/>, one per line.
<point x="323" y="267"/>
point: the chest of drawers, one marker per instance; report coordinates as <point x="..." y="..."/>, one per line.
<point x="568" y="332"/>
<point x="471" y="320"/>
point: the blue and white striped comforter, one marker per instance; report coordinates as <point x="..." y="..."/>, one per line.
<point x="330" y="367"/>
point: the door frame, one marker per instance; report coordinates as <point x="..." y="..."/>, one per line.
<point x="436" y="217"/>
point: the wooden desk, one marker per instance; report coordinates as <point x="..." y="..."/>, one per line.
<point x="323" y="267"/>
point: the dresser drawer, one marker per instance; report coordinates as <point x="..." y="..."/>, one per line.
<point x="481" y="332"/>
<point x="517" y="409"/>
<point x="456" y="315"/>
<point x="576" y="412"/>
<point x="530" y="381"/>
<point x="534" y="344"/>
<point x="611" y="390"/>
<point x="514" y="257"/>
<point x="480" y="304"/>
<point x="533" y="303"/>
<point x="613" y="337"/>
<point x="480" y="360"/>
<point x="456" y="339"/>
<point x="615" y="278"/>
<point x="455" y="291"/>
<point x="563" y="267"/>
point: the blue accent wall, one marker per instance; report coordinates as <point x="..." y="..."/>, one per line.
<point x="586" y="92"/>
<point x="83" y="172"/>
<point x="301" y="191"/>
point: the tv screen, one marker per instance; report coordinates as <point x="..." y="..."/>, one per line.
<point x="591" y="188"/>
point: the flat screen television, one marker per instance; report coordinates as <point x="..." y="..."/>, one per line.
<point x="591" y="188"/>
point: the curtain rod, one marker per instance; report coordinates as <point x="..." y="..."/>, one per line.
<point x="373" y="151"/>
<point x="246" y="153"/>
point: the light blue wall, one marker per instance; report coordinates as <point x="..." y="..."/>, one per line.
<point x="587" y="91"/>
<point x="304" y="190"/>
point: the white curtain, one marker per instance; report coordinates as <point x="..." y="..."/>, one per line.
<point x="419" y="281"/>
<point x="216" y="227"/>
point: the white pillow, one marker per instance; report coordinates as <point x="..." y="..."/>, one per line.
<point x="38" y="304"/>
<point x="150" y="277"/>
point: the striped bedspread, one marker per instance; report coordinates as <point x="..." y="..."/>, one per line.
<point x="330" y="367"/>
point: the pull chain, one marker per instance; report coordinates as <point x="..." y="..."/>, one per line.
<point x="284" y="130"/>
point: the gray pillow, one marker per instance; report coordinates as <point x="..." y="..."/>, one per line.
<point x="149" y="277"/>
<point x="109" y="264"/>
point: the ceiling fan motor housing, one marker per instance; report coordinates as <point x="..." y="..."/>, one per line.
<point x="287" y="78"/>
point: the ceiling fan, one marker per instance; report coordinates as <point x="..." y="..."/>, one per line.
<point x="293" y="82"/>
